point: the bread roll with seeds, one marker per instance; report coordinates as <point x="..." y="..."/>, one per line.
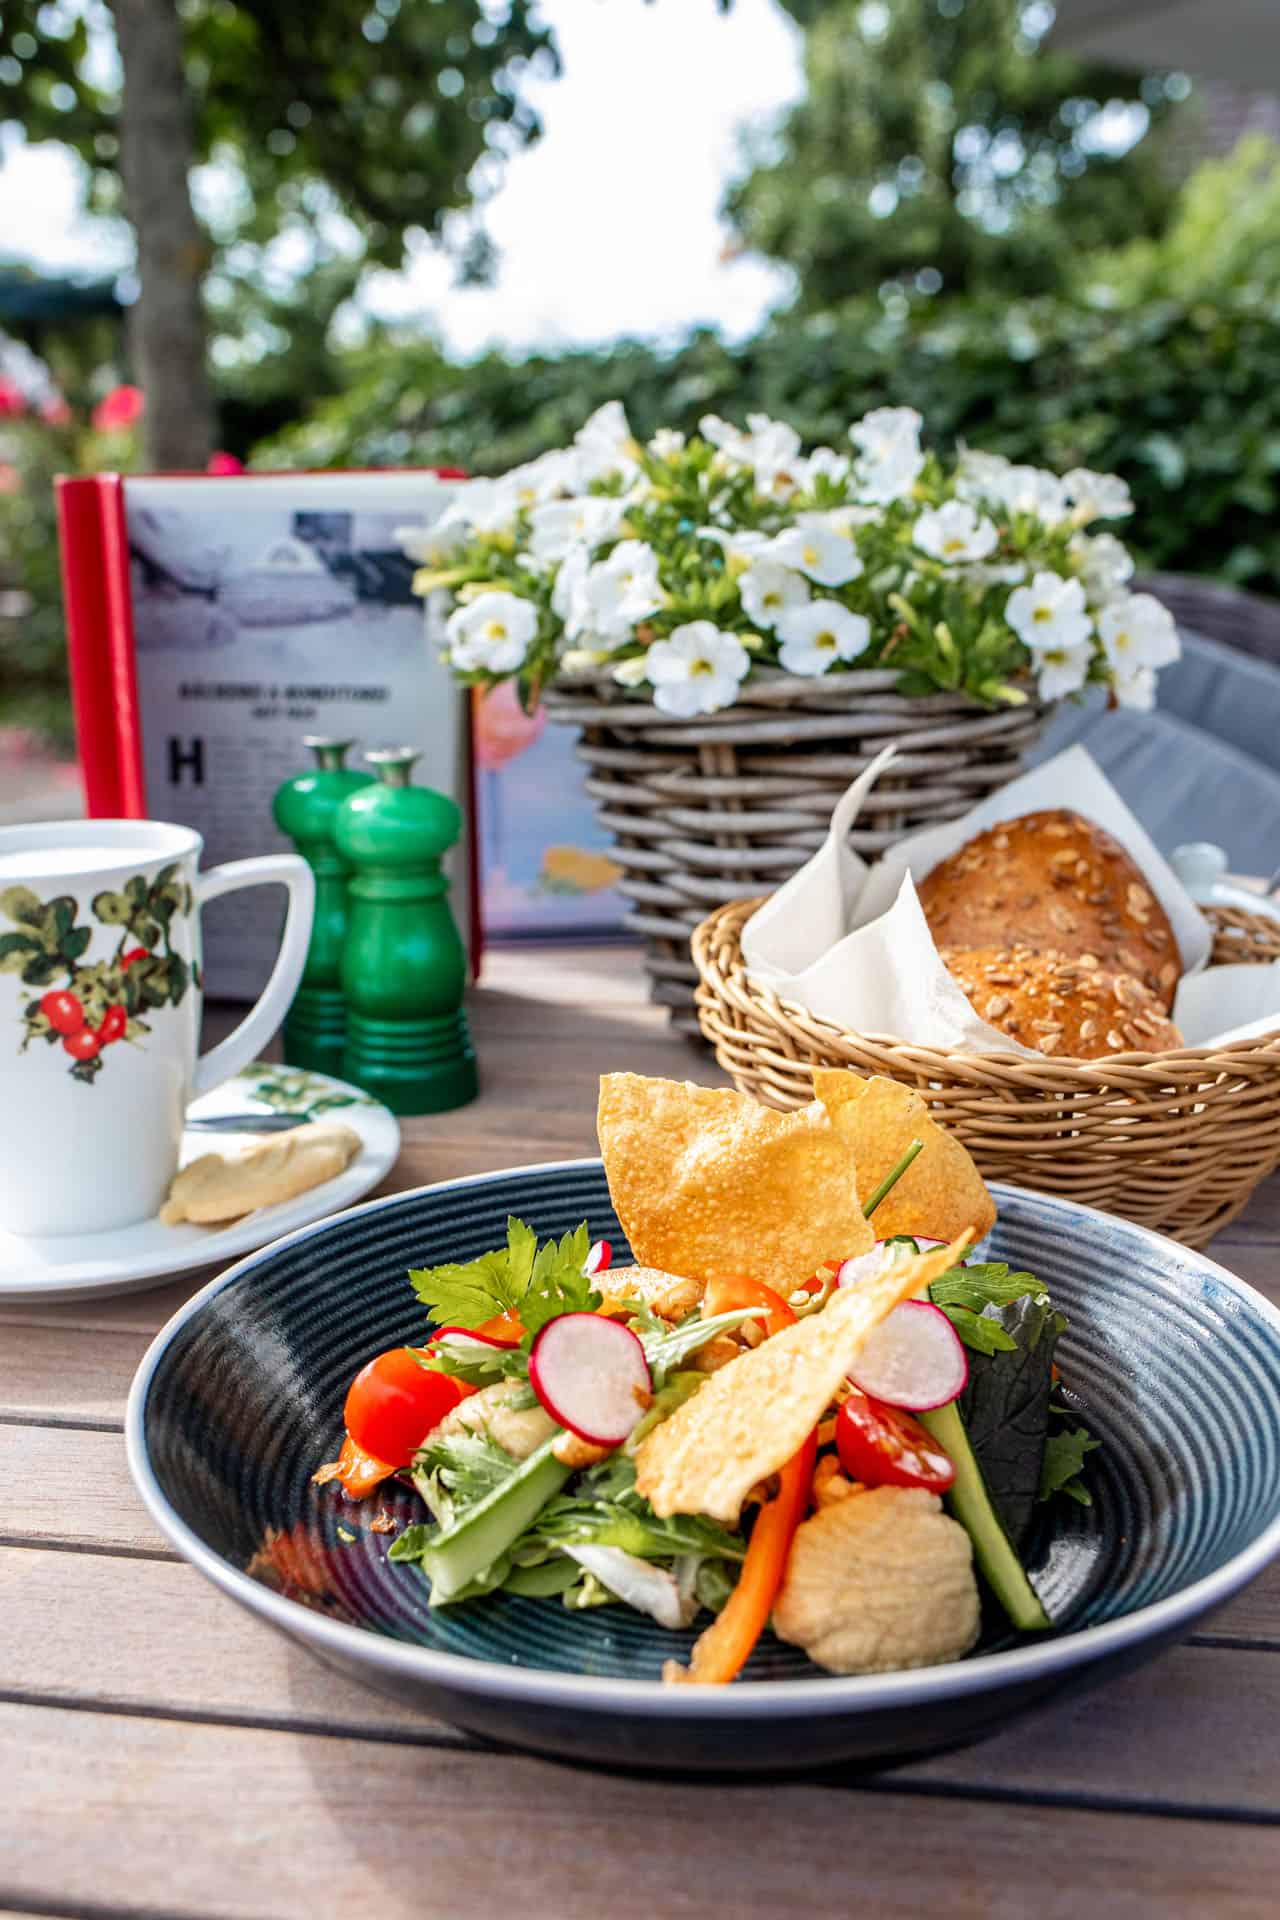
<point x="1053" y="882"/>
<point x="1067" y="1008"/>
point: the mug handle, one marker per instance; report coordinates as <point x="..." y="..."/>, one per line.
<point x="247" y="1040"/>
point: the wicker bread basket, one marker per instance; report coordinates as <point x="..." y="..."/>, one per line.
<point x="1177" y="1141"/>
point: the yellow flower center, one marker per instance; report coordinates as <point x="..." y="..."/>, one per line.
<point x="826" y="640"/>
<point x="957" y="546"/>
<point x="811" y="556"/>
<point x="494" y="630"/>
<point x="700" y="667"/>
<point x="1042" y="614"/>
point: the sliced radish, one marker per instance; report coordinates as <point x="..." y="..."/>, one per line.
<point x="598" y="1258"/>
<point x="866" y="1266"/>
<point x="913" y="1359"/>
<point x="591" y="1375"/>
<point x="461" y="1342"/>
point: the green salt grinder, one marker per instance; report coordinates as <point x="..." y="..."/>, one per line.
<point x="403" y="965"/>
<point x="315" y="1027"/>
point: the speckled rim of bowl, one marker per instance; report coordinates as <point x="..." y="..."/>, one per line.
<point x="916" y="1687"/>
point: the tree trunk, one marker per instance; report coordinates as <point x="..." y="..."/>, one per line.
<point x="166" y="323"/>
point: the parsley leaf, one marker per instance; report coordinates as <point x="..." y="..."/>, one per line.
<point x="963" y="1292"/>
<point x="1064" y="1457"/>
<point x="531" y="1282"/>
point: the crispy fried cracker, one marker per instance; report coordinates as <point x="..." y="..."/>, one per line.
<point x="941" y="1192"/>
<point x="706" y="1181"/>
<point x="752" y="1415"/>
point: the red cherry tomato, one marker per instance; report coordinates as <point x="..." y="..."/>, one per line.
<point x="84" y="1045"/>
<point x="394" y="1402"/>
<point x="134" y="953"/>
<point x="884" y="1447"/>
<point x="112" y="1025"/>
<point x="63" y="1011"/>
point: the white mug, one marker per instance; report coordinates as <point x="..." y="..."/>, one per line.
<point x="100" y="997"/>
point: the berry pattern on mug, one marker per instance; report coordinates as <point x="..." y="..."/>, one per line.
<point x="87" y="1006"/>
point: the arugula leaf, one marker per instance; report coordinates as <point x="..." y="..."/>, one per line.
<point x="604" y="1510"/>
<point x="481" y="1369"/>
<point x="531" y="1282"/>
<point x="979" y="1333"/>
<point x="1064" y="1457"/>
<point x="664" y="1351"/>
<point x="457" y="1470"/>
<point x="412" y="1543"/>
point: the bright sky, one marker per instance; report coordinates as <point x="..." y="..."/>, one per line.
<point x="609" y="226"/>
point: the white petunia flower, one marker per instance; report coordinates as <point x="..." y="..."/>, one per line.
<point x="560" y="525"/>
<point x="1062" y="669"/>
<point x="1136" y="689"/>
<point x="824" y="463"/>
<point x="603" y="446"/>
<point x="816" y="636"/>
<point x="827" y="557"/>
<point x="666" y="444"/>
<point x="1105" y="564"/>
<point x="1137" y="631"/>
<point x="1049" y="614"/>
<point x="698" y="670"/>
<point x="888" y="441"/>
<point x="842" y="520"/>
<point x="741" y="545"/>
<point x="980" y="476"/>
<point x="480" y="506"/>
<point x="621" y="590"/>
<point x="953" y="532"/>
<point x="633" y="672"/>
<point x="1037" y="491"/>
<point x="492" y="633"/>
<point x="430" y="546"/>
<point x="569" y="595"/>
<point x="1096" y="496"/>
<point x="770" y="448"/>
<point x="767" y="590"/>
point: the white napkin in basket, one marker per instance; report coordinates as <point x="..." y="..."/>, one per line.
<point x="850" y="942"/>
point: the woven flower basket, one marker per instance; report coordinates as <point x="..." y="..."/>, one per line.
<point x="703" y="811"/>
<point x="1177" y="1141"/>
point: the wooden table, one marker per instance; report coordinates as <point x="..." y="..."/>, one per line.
<point x="163" y="1753"/>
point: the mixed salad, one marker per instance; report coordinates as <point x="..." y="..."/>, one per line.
<point x="773" y="1418"/>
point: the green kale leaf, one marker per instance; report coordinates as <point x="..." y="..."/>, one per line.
<point x="1005" y="1409"/>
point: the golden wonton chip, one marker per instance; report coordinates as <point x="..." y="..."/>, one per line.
<point x="706" y="1181"/>
<point x="750" y="1417"/>
<point x="941" y="1193"/>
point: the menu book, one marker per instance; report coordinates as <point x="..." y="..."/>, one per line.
<point x="212" y="622"/>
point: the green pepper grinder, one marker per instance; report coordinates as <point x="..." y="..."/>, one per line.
<point x="315" y="1028"/>
<point x="403" y="965"/>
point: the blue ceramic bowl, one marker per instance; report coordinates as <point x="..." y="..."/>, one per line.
<point x="1172" y="1362"/>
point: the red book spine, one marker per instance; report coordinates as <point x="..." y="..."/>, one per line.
<point x="95" y="593"/>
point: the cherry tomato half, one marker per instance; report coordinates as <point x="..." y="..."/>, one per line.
<point x="726" y="1293"/>
<point x="393" y="1403"/>
<point x="884" y="1447"/>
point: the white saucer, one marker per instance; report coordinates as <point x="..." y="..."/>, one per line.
<point x="92" y="1265"/>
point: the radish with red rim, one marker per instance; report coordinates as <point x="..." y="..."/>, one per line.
<point x="913" y="1359"/>
<point x="599" y="1257"/>
<point x="862" y="1267"/>
<point x="591" y="1375"/>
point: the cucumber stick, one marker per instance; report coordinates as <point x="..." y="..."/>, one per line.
<point x="486" y="1530"/>
<point x="970" y="1502"/>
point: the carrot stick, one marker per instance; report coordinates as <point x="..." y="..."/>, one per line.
<point x="722" y="1651"/>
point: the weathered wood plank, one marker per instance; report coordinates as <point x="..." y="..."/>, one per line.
<point x="118" y="1633"/>
<point x="69" y="1488"/>
<point x="242" y="1822"/>
<point x="60" y="1374"/>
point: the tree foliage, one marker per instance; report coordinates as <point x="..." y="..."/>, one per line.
<point x="937" y="138"/>
<point x="1160" y="362"/>
<point x="390" y="121"/>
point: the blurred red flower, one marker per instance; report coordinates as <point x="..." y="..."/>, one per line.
<point x="120" y="409"/>
<point x="225" y="463"/>
<point x="12" y="400"/>
<point x="10" y="478"/>
<point x="55" y="412"/>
